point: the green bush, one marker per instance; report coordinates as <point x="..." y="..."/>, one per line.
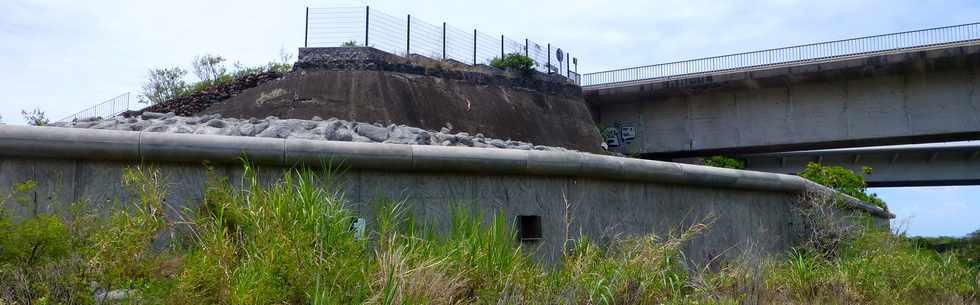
<point x="842" y="180"/>
<point x="724" y="162"/>
<point x="164" y="84"/>
<point x="514" y="61"/>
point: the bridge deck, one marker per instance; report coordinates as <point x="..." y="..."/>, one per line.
<point x="869" y="46"/>
<point x="907" y="165"/>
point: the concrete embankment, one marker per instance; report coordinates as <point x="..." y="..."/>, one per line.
<point x="602" y="196"/>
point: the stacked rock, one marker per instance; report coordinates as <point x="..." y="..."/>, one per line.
<point x="331" y="129"/>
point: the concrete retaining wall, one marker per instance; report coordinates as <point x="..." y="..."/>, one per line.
<point x="608" y="195"/>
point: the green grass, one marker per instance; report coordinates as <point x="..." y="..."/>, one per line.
<point x="290" y="243"/>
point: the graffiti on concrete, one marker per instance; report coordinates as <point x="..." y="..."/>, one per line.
<point x="619" y="135"/>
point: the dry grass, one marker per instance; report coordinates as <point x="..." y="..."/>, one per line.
<point x="290" y="243"/>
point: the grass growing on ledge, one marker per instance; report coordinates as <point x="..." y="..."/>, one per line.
<point x="290" y="243"/>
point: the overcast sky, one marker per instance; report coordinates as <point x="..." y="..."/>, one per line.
<point x="65" y="55"/>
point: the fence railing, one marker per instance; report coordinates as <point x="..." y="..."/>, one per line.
<point x="363" y="26"/>
<point x="824" y="51"/>
<point x="106" y="109"/>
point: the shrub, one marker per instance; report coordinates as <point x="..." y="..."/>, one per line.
<point x="515" y="61"/>
<point x="724" y="162"/>
<point x="36" y="117"/>
<point x="349" y="44"/>
<point x="164" y="84"/>
<point x="842" y="180"/>
<point x="208" y="68"/>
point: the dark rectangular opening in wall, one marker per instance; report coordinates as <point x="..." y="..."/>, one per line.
<point x="529" y="227"/>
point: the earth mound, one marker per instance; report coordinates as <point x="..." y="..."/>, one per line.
<point x="369" y="85"/>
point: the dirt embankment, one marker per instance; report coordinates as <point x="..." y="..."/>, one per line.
<point x="367" y="85"/>
<point x="421" y="101"/>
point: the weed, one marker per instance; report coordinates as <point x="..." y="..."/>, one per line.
<point x="516" y="61"/>
<point x="290" y="242"/>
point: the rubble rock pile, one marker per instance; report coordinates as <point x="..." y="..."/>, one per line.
<point x="331" y="129"/>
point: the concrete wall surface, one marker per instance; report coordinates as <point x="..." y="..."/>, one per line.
<point x="604" y="196"/>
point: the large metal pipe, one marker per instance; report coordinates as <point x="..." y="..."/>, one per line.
<point x="72" y="143"/>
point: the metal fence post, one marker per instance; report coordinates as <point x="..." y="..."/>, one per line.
<point x="549" y="58"/>
<point x="443" y="41"/>
<point x="306" y="29"/>
<point x="367" y="23"/>
<point x="526" y="54"/>
<point x="474" y="47"/>
<point x="408" y="36"/>
<point x="568" y="67"/>
<point x="501" y="46"/>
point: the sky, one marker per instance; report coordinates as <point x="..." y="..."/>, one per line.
<point x="65" y="55"/>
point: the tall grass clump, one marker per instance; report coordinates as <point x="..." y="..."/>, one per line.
<point x="291" y="241"/>
<point x="846" y="260"/>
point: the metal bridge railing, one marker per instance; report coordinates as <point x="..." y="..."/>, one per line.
<point x="107" y="109"/>
<point x="363" y="26"/>
<point x="831" y="50"/>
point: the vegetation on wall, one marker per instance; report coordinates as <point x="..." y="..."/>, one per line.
<point x="516" y="62"/>
<point x="724" y="162"/>
<point x="842" y="180"/>
<point x="291" y="243"/>
<point x="35" y="117"/>
<point x="164" y="84"/>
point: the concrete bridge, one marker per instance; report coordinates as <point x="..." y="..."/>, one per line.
<point x="905" y="165"/>
<point x="902" y="88"/>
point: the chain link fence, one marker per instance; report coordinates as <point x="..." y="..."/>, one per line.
<point x="363" y="26"/>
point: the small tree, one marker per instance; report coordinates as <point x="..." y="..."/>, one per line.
<point x="35" y="117"/>
<point x="842" y="180"/>
<point x="163" y="84"/>
<point x="208" y="68"/>
<point x="514" y="61"/>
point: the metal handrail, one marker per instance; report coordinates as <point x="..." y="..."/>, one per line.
<point x="106" y="109"/>
<point x="860" y="46"/>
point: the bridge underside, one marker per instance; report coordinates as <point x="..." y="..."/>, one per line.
<point x="889" y="167"/>
<point x="903" y="98"/>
